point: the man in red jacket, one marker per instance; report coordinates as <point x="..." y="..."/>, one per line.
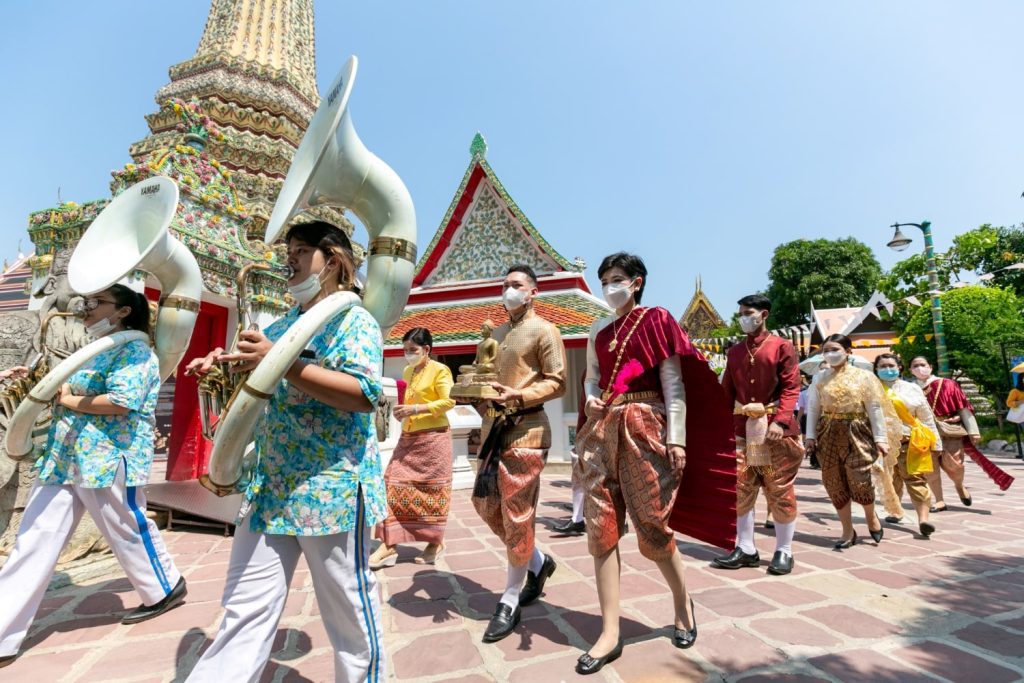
<point x="762" y="378"/>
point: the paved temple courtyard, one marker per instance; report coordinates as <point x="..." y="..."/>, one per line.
<point x="947" y="609"/>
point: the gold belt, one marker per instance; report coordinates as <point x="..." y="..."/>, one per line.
<point x="845" y="416"/>
<point x="638" y="397"/>
<point x="768" y="410"/>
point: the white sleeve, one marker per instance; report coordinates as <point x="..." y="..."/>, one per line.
<point x="876" y="415"/>
<point x="675" y="401"/>
<point x="813" y="408"/>
<point x="969" y="422"/>
<point x="591" y="385"/>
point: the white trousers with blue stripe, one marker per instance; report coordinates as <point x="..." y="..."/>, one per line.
<point x="51" y="516"/>
<point x="259" y="575"/>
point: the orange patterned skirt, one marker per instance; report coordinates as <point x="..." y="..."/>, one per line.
<point x="419" y="488"/>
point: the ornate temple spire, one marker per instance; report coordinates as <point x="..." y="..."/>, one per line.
<point x="254" y="74"/>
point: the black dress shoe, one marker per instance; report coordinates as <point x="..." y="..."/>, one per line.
<point x="769" y="524"/>
<point x="685" y="638"/>
<point x="587" y="665"/>
<point x="535" y="582"/>
<point x="570" y="527"/>
<point x="7" y="659"/>
<point x="503" y="622"/>
<point x="877" y="535"/>
<point x="927" y="529"/>
<point x="736" y="559"/>
<point x="144" y="612"/>
<point x="781" y="563"/>
<point x="843" y="545"/>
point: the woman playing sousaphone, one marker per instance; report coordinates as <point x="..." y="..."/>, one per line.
<point x="317" y="489"/>
<point x="96" y="458"/>
<point x="635" y="446"/>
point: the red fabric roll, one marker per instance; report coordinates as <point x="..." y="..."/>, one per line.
<point x="1000" y="476"/>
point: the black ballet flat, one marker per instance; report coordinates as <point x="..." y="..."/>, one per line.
<point x="927" y="529"/>
<point x="893" y="519"/>
<point x="685" y="638"/>
<point x="933" y="509"/>
<point x="843" y="545"/>
<point x="877" y="535"/>
<point x="966" y="500"/>
<point x="587" y="665"/>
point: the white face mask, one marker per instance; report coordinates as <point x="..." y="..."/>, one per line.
<point x="514" y="298"/>
<point x="306" y="291"/>
<point x="414" y="358"/>
<point x="100" y="328"/>
<point x="921" y="372"/>
<point x="617" y="294"/>
<point x="750" y="323"/>
<point x="835" y="358"/>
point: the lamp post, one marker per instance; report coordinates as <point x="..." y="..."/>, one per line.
<point x="899" y="242"/>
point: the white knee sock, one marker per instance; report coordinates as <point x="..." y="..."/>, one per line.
<point x="577" y="505"/>
<point x="513" y="585"/>
<point x="745" y="533"/>
<point x="784" y="537"/>
<point x="536" y="561"/>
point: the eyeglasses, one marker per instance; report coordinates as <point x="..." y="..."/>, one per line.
<point x="92" y="304"/>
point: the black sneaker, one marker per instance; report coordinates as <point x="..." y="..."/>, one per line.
<point x="144" y="612"/>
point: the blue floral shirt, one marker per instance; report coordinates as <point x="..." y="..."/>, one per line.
<point x="313" y="458"/>
<point x="86" y="450"/>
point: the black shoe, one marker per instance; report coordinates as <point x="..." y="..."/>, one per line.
<point x="893" y="519"/>
<point x="966" y="500"/>
<point x="933" y="509"/>
<point x="587" y="665"/>
<point x="570" y="527"/>
<point x="781" y="563"/>
<point x="683" y="638"/>
<point x="877" y="535"/>
<point x="6" y="660"/>
<point x="144" y="612"/>
<point x="503" y="622"/>
<point x="769" y="524"/>
<point x="535" y="582"/>
<point x="736" y="559"/>
<point x="843" y="545"/>
<point x="927" y="529"/>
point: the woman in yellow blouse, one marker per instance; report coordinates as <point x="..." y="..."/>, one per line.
<point x="1016" y="396"/>
<point x="419" y="476"/>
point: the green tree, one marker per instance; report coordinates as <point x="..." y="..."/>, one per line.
<point x="982" y="250"/>
<point x="831" y="273"/>
<point x="976" y="319"/>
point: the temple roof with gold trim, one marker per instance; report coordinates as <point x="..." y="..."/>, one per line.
<point x="701" y="317"/>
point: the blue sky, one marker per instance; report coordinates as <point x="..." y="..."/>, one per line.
<point x="697" y="135"/>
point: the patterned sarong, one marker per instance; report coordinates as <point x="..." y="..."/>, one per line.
<point x="776" y="479"/>
<point x="846" y="451"/>
<point x="419" y="488"/>
<point x="625" y="468"/>
<point x="511" y="513"/>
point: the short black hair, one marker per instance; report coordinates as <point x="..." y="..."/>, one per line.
<point x="885" y="356"/>
<point x="525" y="269"/>
<point x="420" y="336"/>
<point x="758" y="301"/>
<point x="631" y="264"/>
<point x="327" y="238"/>
<point x="840" y="339"/>
<point x="138" y="319"/>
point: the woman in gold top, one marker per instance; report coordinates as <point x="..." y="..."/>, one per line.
<point x="419" y="475"/>
<point x="846" y="426"/>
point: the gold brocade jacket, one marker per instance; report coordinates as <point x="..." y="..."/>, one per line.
<point x="531" y="358"/>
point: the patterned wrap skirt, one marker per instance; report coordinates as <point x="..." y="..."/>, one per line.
<point x="419" y="488"/>
<point x="625" y="469"/>
<point x="846" y="451"/>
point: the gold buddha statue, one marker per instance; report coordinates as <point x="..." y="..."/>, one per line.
<point x="474" y="381"/>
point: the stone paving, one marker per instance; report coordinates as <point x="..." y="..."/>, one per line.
<point x="946" y="609"/>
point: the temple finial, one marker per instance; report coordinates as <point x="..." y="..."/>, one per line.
<point x="478" y="148"/>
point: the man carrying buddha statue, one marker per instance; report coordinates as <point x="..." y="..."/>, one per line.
<point x="519" y="366"/>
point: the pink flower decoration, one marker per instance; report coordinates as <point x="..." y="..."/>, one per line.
<point x="630" y="371"/>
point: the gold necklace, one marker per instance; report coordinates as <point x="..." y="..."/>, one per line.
<point x="753" y="353"/>
<point x="618" y="328"/>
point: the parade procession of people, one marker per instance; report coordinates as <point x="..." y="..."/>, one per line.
<point x="669" y="447"/>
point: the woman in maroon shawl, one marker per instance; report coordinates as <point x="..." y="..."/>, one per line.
<point x="634" y="447"/>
